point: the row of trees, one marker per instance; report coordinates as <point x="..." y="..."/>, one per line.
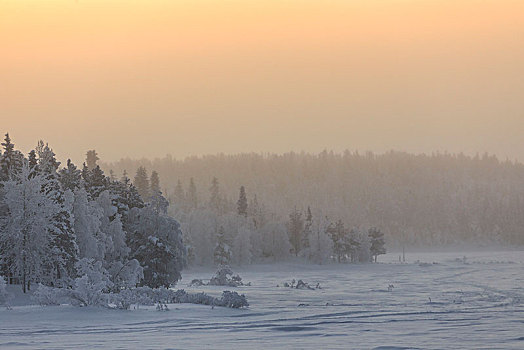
<point x="223" y="231"/>
<point x="57" y="223"/>
<point x="417" y="200"/>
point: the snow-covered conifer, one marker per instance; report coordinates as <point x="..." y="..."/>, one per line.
<point x="295" y="227"/>
<point x="91" y="159"/>
<point x="242" y="202"/>
<point x="377" y="243"/>
<point x="222" y="254"/>
<point x="64" y="249"/>
<point x="141" y="183"/>
<point x="156" y="242"/>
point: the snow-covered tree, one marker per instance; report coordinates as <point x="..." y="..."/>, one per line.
<point x="308" y="229"/>
<point x="320" y="244"/>
<point x="295" y="227"/>
<point x="156" y="242"/>
<point x="377" y="243"/>
<point x="10" y="159"/>
<point x="340" y="237"/>
<point x="70" y="177"/>
<point x="90" y="239"/>
<point x="95" y="181"/>
<point x="26" y="238"/>
<point x="141" y="183"/>
<point x="115" y="247"/>
<point x="222" y="254"/>
<point x="154" y="183"/>
<point x="91" y="159"/>
<point x="215" y="201"/>
<point x="242" y="202"/>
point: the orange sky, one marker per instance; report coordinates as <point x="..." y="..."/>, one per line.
<point x="147" y="78"/>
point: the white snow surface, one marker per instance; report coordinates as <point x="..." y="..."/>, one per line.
<point x="440" y="302"/>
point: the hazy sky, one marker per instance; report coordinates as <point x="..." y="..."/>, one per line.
<point x="151" y="77"/>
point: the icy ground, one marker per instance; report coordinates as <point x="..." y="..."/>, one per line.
<point x="441" y="302"/>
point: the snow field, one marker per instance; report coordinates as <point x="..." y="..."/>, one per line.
<point x="439" y="302"/>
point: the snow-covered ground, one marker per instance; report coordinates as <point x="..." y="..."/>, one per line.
<point x="440" y="302"/>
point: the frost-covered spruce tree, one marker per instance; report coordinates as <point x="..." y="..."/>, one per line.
<point x="154" y="182"/>
<point x="215" y="200"/>
<point x="156" y="242"/>
<point x="308" y="229"/>
<point x="377" y="243"/>
<point x="64" y="249"/>
<point x="125" y="197"/>
<point x="141" y="183"/>
<point x="10" y="160"/>
<point x="222" y="254"/>
<point x="95" y="181"/>
<point x="295" y="228"/>
<point x="70" y="177"/>
<point x="242" y="202"/>
<point x="340" y="237"/>
<point x="91" y="159"/>
<point x="28" y="237"/>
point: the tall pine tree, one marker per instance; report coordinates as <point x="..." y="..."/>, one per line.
<point x="242" y="202"/>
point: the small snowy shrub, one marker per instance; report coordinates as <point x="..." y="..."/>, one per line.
<point x="149" y="296"/>
<point x="4" y="295"/>
<point x="233" y="300"/>
<point x="89" y="289"/>
<point x="196" y="283"/>
<point x="222" y="278"/>
<point x="125" y="299"/>
<point x="126" y="275"/>
<point x="48" y="296"/>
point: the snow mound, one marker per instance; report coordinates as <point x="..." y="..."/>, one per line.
<point x="223" y="277"/>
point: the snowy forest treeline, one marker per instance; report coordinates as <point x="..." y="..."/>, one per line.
<point x="79" y="229"/>
<point x="416" y="200"/>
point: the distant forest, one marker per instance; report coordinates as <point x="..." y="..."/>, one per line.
<point x="416" y="200"/>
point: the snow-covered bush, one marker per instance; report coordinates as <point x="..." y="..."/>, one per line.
<point x="5" y="296"/>
<point x="125" y="275"/>
<point x="89" y="290"/>
<point x="300" y="284"/>
<point x="233" y="300"/>
<point x="197" y="283"/>
<point x="150" y="296"/>
<point x="48" y="296"/>
<point x="222" y="278"/>
<point x="125" y="298"/>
